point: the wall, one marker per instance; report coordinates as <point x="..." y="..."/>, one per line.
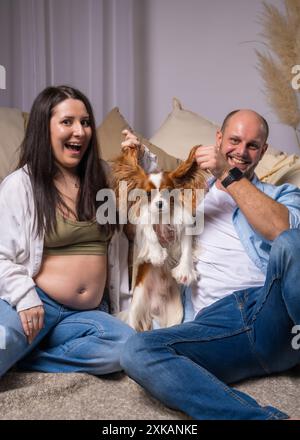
<point x="203" y="52"/>
<point x="84" y="43"/>
<point x="138" y="54"/>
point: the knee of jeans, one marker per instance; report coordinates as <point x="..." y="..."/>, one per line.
<point x="11" y="338"/>
<point x="288" y="240"/>
<point x="132" y="352"/>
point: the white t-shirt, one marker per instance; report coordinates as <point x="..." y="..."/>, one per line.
<point x="222" y="262"/>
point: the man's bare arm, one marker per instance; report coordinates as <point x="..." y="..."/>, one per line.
<point x="265" y="215"/>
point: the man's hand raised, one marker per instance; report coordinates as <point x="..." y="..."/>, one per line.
<point x="210" y="158"/>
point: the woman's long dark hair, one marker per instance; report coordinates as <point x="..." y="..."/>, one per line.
<point x="36" y="153"/>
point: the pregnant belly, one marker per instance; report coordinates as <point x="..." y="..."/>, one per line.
<point x="76" y="281"/>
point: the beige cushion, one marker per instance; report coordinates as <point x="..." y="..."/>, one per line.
<point x="183" y="129"/>
<point x="110" y="136"/>
<point x="279" y="168"/>
<point x="11" y="137"/>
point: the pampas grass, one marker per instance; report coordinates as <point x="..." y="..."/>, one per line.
<point x="282" y="36"/>
<point x="280" y="93"/>
<point x="279" y="34"/>
<point x="293" y="8"/>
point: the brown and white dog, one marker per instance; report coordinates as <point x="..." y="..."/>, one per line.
<point x="157" y="210"/>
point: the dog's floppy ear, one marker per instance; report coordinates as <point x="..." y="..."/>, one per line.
<point x="126" y="167"/>
<point x="188" y="174"/>
<point x="129" y="155"/>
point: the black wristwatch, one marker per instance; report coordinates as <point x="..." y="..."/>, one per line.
<point x="233" y="175"/>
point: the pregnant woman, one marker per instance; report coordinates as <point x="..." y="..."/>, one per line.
<point x="53" y="253"/>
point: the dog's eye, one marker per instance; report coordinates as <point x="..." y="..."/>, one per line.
<point x="149" y="194"/>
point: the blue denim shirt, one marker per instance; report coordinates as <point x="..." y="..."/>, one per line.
<point x="257" y="247"/>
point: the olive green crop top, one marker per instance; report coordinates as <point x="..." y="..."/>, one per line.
<point x="75" y="238"/>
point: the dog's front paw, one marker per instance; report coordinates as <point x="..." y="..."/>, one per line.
<point x="158" y="256"/>
<point x="184" y="274"/>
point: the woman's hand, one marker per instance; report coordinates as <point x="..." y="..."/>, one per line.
<point x="132" y="141"/>
<point x="32" y="321"/>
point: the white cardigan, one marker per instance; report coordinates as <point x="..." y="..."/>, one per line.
<point x="21" y="250"/>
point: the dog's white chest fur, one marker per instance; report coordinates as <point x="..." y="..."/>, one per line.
<point x="156" y="179"/>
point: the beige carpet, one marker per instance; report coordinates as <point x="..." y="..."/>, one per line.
<point x="39" y="396"/>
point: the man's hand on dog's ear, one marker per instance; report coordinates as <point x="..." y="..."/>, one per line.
<point x="132" y="141"/>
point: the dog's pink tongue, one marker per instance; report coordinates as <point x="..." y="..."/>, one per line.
<point x="166" y="234"/>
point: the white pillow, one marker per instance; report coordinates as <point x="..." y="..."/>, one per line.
<point x="183" y="129"/>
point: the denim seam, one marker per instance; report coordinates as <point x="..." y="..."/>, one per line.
<point x="274" y="278"/>
<point x="218" y="336"/>
<point x="249" y="334"/>
<point x="225" y="387"/>
<point x="256" y="355"/>
<point x="60" y="315"/>
<point x="85" y="321"/>
<point x="261" y="361"/>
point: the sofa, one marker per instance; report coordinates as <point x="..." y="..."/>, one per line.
<point x="40" y="396"/>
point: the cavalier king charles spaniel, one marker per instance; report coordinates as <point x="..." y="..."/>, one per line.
<point x="162" y="205"/>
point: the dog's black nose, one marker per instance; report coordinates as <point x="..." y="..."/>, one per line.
<point x="159" y="204"/>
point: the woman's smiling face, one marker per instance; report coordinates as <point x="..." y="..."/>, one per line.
<point x="70" y="132"/>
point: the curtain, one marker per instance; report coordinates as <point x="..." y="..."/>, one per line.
<point x="87" y="44"/>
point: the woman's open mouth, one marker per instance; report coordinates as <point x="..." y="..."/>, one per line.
<point x="72" y="147"/>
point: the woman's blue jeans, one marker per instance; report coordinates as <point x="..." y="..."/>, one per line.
<point x="246" y="334"/>
<point x="71" y="340"/>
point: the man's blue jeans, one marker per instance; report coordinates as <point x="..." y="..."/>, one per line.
<point x="246" y="334"/>
<point x="71" y="340"/>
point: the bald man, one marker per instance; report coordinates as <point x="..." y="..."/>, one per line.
<point x="246" y="299"/>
